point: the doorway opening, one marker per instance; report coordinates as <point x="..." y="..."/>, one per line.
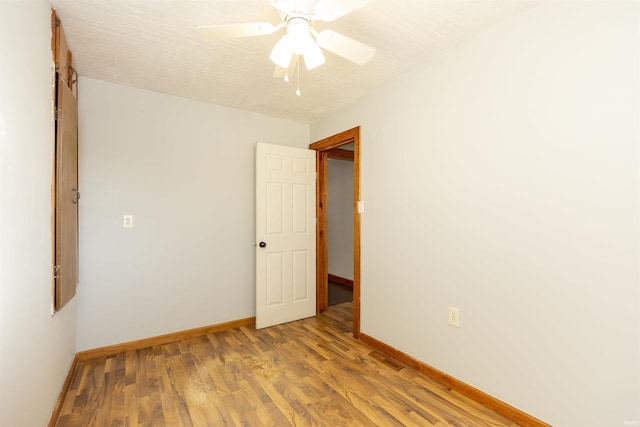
<point x="340" y="225"/>
<point x="326" y="148"/>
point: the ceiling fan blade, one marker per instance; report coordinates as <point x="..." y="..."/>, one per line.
<point x="280" y="72"/>
<point x="219" y="32"/>
<point x="345" y="47"/>
<point x="284" y="6"/>
<point x="330" y="10"/>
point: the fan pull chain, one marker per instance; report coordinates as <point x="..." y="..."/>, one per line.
<point x="298" y="91"/>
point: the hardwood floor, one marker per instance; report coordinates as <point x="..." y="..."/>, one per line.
<point x="339" y="294"/>
<point x="305" y="373"/>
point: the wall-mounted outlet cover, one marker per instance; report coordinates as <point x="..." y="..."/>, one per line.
<point x="127" y="221"/>
<point x="454" y="317"/>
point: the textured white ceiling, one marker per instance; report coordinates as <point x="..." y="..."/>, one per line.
<point x="153" y="45"/>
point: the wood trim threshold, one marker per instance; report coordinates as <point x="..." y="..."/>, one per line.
<point x="63" y="393"/>
<point x="162" y="339"/>
<point x="340" y="280"/>
<point x="473" y="393"/>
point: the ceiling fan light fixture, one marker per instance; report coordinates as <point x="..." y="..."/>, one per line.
<point x="282" y="52"/>
<point x="299" y="33"/>
<point x="313" y="56"/>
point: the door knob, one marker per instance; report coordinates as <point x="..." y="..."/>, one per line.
<point x="262" y="244"/>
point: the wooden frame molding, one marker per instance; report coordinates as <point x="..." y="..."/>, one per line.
<point x="323" y="148"/>
<point x="340" y="280"/>
<point x="339" y="153"/>
<point x="65" y="389"/>
<point x="162" y="339"/>
<point x="473" y="393"/>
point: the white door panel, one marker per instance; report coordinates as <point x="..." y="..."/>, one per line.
<point x="285" y="222"/>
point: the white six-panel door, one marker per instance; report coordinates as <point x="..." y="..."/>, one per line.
<point x="285" y="234"/>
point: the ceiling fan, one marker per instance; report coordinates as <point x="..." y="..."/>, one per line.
<point x="301" y="38"/>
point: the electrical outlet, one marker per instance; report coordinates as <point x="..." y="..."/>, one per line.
<point x="127" y="221"/>
<point x="454" y="317"/>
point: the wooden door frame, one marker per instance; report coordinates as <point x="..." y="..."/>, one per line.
<point x="322" y="148"/>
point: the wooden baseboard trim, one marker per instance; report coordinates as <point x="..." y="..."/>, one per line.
<point x="63" y="393"/>
<point x="473" y="393"/>
<point x="341" y="280"/>
<point x="162" y="339"/>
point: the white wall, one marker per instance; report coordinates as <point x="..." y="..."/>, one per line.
<point x="36" y="349"/>
<point x="340" y="217"/>
<point x="502" y="178"/>
<point x="185" y="170"/>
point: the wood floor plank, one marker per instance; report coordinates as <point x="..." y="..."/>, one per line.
<point x="306" y="373"/>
